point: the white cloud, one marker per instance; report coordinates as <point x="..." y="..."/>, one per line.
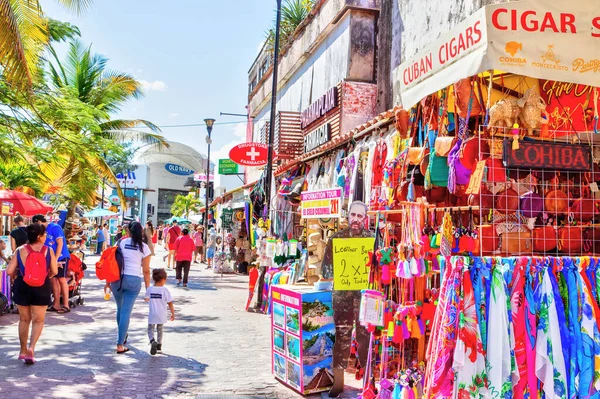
<point x="239" y="135"/>
<point x="173" y="115"/>
<point x="157" y="85"/>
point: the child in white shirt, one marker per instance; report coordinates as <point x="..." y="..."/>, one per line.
<point x="159" y="297"/>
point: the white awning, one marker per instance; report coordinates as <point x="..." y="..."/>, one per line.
<point x="536" y="38"/>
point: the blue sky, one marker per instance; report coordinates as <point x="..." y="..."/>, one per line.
<point x="192" y="55"/>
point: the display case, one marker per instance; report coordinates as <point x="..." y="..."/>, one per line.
<point x="303" y="335"/>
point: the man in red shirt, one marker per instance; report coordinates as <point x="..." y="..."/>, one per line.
<point x="172" y="234"/>
<point x="184" y="251"/>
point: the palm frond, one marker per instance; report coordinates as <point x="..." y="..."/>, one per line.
<point x="120" y="124"/>
<point x="137" y="135"/>
<point x="78" y="6"/>
<point x="23" y="33"/>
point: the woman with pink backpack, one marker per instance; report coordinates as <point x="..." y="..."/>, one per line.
<point x="32" y="266"/>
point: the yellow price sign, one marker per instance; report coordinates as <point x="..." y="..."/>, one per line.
<point x="350" y="258"/>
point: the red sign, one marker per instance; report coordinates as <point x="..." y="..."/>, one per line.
<point x="250" y="154"/>
<point x="570" y="106"/>
<point x="548" y="156"/>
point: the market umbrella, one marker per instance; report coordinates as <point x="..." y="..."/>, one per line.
<point x="178" y="220"/>
<point x="23" y="203"/>
<point x="195" y="218"/>
<point x="99" y="212"/>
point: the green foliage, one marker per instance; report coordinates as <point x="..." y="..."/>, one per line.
<point x="184" y="205"/>
<point x="293" y="12"/>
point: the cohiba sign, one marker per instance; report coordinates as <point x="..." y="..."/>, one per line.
<point x="319" y="108"/>
<point x="548" y="156"/>
<point x="317" y="137"/>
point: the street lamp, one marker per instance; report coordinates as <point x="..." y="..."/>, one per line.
<point x="209" y="127"/>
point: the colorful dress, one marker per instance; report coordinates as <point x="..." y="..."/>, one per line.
<point x="550" y="362"/>
<point x="469" y="356"/>
<point x="500" y="360"/>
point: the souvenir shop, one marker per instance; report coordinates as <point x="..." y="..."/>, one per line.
<point x="484" y="280"/>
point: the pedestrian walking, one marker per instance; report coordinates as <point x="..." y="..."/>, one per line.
<point x="119" y="234"/>
<point x="160" y="230"/>
<point x="148" y="236"/>
<point x="211" y="247"/>
<point x="136" y="259"/>
<point x="184" y="251"/>
<point x="31" y="289"/>
<point x="158" y="297"/>
<point x="55" y="239"/>
<point x="172" y="234"/>
<point x="100" y="238"/>
<point x="199" y="242"/>
<point x="18" y="236"/>
<point x="106" y="236"/>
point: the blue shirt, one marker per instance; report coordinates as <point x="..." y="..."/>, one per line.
<point x="100" y="235"/>
<point x="54" y="232"/>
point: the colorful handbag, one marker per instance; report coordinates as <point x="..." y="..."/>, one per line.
<point x="584" y="208"/>
<point x="532" y="205"/>
<point x="506" y="201"/>
<point x="555" y="200"/>
<point x="488" y="240"/>
<point x="570" y="239"/>
<point x="514" y="243"/>
<point x="544" y="239"/>
<point x="496" y="172"/>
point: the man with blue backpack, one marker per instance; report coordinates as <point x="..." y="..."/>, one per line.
<point x="55" y="239"/>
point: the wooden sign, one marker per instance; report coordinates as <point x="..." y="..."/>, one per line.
<point x="541" y="155"/>
<point x="476" y="179"/>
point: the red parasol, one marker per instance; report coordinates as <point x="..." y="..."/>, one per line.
<point x="23" y="203"/>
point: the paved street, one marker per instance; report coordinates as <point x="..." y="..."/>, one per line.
<point x="214" y="347"/>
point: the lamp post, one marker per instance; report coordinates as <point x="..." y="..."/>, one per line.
<point x="209" y="127"/>
<point x="125" y="195"/>
<point x="269" y="167"/>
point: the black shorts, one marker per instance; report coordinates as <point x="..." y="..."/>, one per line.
<point x="63" y="268"/>
<point x="25" y="295"/>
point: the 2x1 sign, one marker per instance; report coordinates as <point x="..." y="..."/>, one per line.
<point x="322" y="204"/>
<point x="250" y="154"/>
<point x="548" y="156"/>
<point x="178" y="169"/>
<point x="227" y="167"/>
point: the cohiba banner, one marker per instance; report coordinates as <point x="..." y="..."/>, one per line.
<point x="535" y="38"/>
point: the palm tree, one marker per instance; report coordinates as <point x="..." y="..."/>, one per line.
<point x="20" y="176"/>
<point x="87" y="94"/>
<point x="293" y="12"/>
<point x="24" y="32"/>
<point x="185" y="205"/>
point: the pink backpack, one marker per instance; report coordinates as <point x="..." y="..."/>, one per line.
<point x="36" y="269"/>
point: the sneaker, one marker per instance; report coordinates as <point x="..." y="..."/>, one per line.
<point x="159" y="347"/>
<point x="154" y="347"/>
<point x="179" y="284"/>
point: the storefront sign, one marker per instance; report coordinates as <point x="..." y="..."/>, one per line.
<point x="350" y="258"/>
<point x="319" y="108"/>
<point x="548" y="156"/>
<point x="250" y="154"/>
<point x="7" y="208"/>
<point x="178" y="169"/>
<point x="317" y="137"/>
<point x="202" y="177"/>
<point x="570" y="106"/>
<point x="227" y="167"/>
<point x="321" y="204"/>
<point x="134" y="178"/>
<point x="535" y="38"/>
<point x="114" y="199"/>
<point x="227" y="218"/>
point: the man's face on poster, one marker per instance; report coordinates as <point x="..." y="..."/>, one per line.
<point x="356" y="218"/>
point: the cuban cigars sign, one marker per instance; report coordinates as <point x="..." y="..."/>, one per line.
<point x="322" y="204"/>
<point x="570" y="106"/>
<point x="535" y="38"/>
<point x="544" y="155"/>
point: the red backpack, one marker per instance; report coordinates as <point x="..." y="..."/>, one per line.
<point x="36" y="267"/>
<point x="110" y="265"/>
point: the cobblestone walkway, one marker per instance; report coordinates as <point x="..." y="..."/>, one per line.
<point x="214" y="348"/>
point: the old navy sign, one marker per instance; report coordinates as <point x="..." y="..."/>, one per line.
<point x="317" y="137"/>
<point x="178" y="169"/>
<point x="548" y="156"/>
<point x="319" y="108"/>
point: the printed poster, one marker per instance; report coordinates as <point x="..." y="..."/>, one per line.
<point x="292" y="320"/>
<point x="350" y="258"/>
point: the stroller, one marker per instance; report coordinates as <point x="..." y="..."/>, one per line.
<point x="76" y="274"/>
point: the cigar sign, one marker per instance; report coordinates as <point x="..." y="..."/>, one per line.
<point x="548" y="156"/>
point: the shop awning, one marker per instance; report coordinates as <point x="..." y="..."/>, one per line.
<point x="536" y="38"/>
